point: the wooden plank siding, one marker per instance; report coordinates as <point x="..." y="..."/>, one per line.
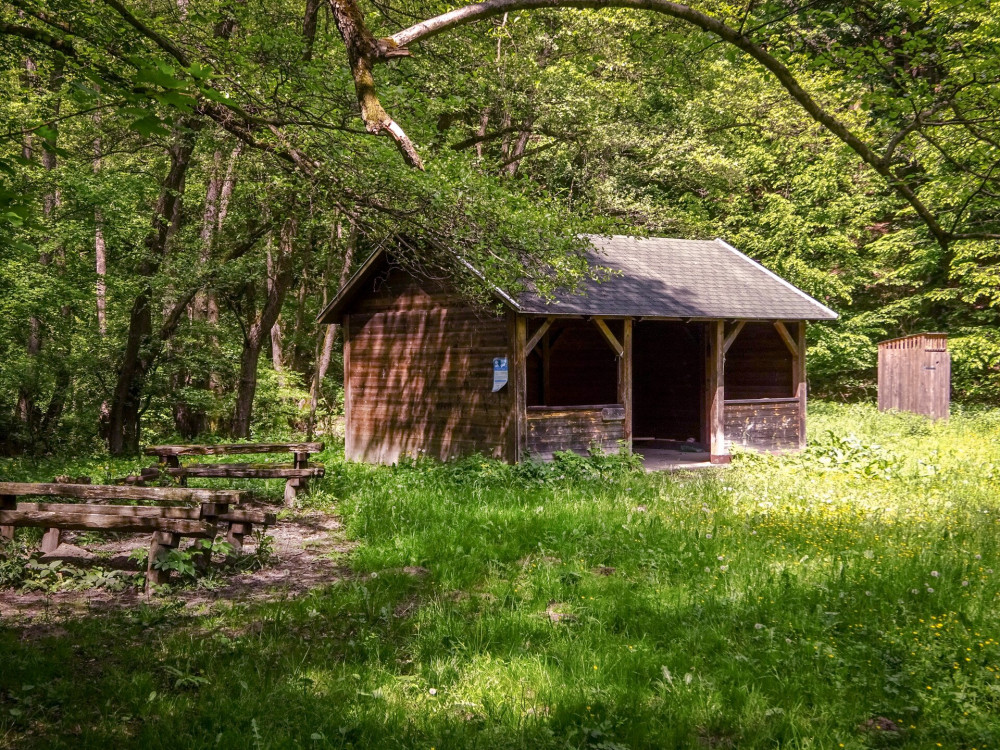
<point x="914" y="375"/>
<point x="573" y="428"/>
<point x="763" y="424"/>
<point x="419" y="375"/>
<point x="759" y="364"/>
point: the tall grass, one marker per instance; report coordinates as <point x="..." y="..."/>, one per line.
<point x="846" y="597"/>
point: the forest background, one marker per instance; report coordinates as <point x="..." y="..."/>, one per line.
<point x="184" y="183"/>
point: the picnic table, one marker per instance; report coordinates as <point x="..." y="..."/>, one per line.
<point x="178" y="512"/>
<point x="297" y="473"/>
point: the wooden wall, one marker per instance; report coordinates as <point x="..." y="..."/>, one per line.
<point x="576" y="429"/>
<point x="582" y="368"/>
<point x="914" y="374"/>
<point x="758" y="364"/>
<point x="418" y="365"/>
<point x="763" y="424"/>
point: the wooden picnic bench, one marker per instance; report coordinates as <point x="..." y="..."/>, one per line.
<point x="296" y="474"/>
<point x="168" y="521"/>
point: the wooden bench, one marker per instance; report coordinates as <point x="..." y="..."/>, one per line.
<point x="296" y="474"/>
<point x="168" y="521"/>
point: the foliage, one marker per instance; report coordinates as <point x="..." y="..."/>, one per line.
<point x="606" y="121"/>
<point x="975" y="366"/>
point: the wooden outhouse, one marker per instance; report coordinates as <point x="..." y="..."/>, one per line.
<point x="689" y="342"/>
<point x="914" y="374"/>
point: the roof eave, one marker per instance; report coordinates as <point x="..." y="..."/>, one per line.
<point x="332" y="312"/>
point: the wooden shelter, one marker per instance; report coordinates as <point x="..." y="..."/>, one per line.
<point x="914" y="374"/>
<point x="689" y="341"/>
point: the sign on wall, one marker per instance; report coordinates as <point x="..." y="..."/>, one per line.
<point x="499" y="373"/>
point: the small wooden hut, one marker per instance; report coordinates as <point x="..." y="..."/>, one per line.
<point x="914" y="374"/>
<point x="690" y="341"/>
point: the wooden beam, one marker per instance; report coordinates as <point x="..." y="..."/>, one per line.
<point x="261" y="517"/>
<point x="519" y="370"/>
<point x="718" y="454"/>
<point x="114" y="492"/>
<point x="247" y="471"/>
<point x="799" y="381"/>
<point x="732" y="336"/>
<point x="533" y="341"/>
<point x="603" y="327"/>
<point x="546" y="367"/>
<point x="787" y="338"/>
<point x="77" y="521"/>
<point x="7" y="502"/>
<point x="232" y="449"/>
<point x="625" y="379"/>
<point x="121" y="511"/>
<point x="350" y="450"/>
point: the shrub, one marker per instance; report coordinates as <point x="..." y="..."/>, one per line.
<point x="975" y="367"/>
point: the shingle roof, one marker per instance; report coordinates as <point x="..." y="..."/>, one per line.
<point x="658" y="278"/>
<point x="672" y="278"/>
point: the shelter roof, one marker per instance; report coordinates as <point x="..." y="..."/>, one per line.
<point x="657" y="277"/>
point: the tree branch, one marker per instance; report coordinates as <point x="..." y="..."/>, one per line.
<point x="39" y="36"/>
<point x="158" y="39"/>
<point x="478" y="11"/>
<point x="363" y="51"/>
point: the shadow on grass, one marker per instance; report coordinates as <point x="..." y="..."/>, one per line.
<point x="715" y="629"/>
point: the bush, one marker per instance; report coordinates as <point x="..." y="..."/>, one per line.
<point x="975" y="367"/>
<point x="842" y="363"/>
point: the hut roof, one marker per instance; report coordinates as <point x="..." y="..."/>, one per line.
<point x="657" y="277"/>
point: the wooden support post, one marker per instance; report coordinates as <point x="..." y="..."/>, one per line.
<point x="159" y="548"/>
<point x="799" y="380"/>
<point x="625" y="380"/>
<point x="520" y="377"/>
<point x="718" y="454"/>
<point x="296" y="484"/>
<point x="7" y="502"/>
<point x="546" y="367"/>
<point x="51" y="540"/>
<point x="235" y="535"/>
<point x="349" y="448"/>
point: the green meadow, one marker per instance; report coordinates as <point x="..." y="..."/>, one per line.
<point x="842" y="598"/>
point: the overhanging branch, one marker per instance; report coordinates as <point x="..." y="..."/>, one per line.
<point x="478" y="11"/>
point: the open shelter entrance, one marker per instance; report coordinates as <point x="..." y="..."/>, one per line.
<point x="668" y="383"/>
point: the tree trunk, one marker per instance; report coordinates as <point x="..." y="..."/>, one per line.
<point x="140" y="348"/>
<point x="100" y="250"/>
<point x="514" y="160"/>
<point x="330" y="334"/>
<point x="28" y="409"/>
<point x="190" y="421"/>
<point x="254" y="339"/>
<point x="309" y="28"/>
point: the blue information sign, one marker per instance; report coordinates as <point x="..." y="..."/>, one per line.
<point x="499" y="373"/>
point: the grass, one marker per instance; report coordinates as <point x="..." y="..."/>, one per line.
<point x="795" y="602"/>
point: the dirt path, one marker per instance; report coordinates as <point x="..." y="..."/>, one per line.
<point x="308" y="551"/>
